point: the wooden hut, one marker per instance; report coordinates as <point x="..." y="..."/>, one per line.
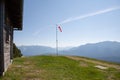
<point x="11" y="12"/>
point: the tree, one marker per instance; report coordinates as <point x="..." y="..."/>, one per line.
<point x="16" y="51"/>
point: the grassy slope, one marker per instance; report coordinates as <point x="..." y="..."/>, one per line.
<point x="57" y="68"/>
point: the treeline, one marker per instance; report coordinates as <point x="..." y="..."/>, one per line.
<point x="16" y="51"/>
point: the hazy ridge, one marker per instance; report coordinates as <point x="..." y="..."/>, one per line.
<point x="107" y="50"/>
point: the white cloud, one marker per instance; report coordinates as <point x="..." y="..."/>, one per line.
<point x="89" y="15"/>
<point x="37" y="32"/>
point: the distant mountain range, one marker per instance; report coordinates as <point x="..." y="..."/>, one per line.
<point x="107" y="50"/>
<point x="36" y="50"/>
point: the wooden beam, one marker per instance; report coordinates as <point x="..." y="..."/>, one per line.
<point x="2" y="19"/>
<point x="11" y="44"/>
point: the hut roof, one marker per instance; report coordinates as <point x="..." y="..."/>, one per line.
<point x="15" y="11"/>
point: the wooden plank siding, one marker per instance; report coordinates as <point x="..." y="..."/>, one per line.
<point x="6" y="48"/>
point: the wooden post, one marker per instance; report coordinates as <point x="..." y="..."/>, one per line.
<point x="11" y="43"/>
<point x="2" y="19"/>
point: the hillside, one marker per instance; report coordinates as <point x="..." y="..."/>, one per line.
<point x="107" y="50"/>
<point x="60" y="68"/>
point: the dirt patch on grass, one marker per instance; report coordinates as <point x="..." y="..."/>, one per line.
<point x="83" y="64"/>
<point x="26" y="63"/>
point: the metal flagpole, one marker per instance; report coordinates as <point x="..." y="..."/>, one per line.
<point x="56" y="41"/>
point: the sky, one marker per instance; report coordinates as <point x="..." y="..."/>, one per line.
<point x="82" y="22"/>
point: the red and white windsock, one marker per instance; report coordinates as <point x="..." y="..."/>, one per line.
<point x="60" y="29"/>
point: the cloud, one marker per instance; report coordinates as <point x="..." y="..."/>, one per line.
<point x="89" y="15"/>
<point x="36" y="33"/>
<point x="43" y="29"/>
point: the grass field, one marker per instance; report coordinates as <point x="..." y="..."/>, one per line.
<point x="58" y="68"/>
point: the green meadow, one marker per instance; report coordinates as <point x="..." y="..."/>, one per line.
<point x="59" y="68"/>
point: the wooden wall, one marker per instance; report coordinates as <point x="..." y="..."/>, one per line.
<point x="6" y="39"/>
